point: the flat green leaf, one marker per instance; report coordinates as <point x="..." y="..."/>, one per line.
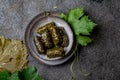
<point x="75" y="14"/>
<point x="80" y="28"/>
<point x="83" y="40"/>
<point x="4" y="75"/>
<point x="83" y="26"/>
<point x="14" y="76"/>
<point x="62" y="15"/>
<point x="30" y="73"/>
<point x="88" y="23"/>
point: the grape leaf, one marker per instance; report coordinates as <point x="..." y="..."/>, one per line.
<point x="81" y="25"/>
<point x="29" y="73"/>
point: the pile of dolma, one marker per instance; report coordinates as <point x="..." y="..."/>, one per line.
<point x="51" y="40"/>
<point x="13" y="55"/>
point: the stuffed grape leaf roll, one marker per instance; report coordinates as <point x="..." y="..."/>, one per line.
<point x="52" y="40"/>
<point x="46" y="39"/>
<point x="55" y="52"/>
<point x="45" y="36"/>
<point x="55" y="34"/>
<point x="41" y="29"/>
<point x="65" y="40"/>
<point x="39" y="45"/>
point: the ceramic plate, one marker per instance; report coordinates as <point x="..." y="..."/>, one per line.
<point x="41" y="20"/>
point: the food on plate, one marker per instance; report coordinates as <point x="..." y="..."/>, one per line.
<point x="13" y="55"/>
<point x="46" y="39"/>
<point x="45" y="36"/>
<point x="55" y="52"/>
<point x="55" y="34"/>
<point x="41" y="29"/>
<point x="53" y="39"/>
<point x="65" y="39"/>
<point x="39" y="45"/>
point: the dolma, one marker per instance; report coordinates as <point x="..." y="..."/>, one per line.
<point x="39" y="45"/>
<point x="55" y="52"/>
<point x="46" y="39"/>
<point x="41" y="29"/>
<point x="55" y="34"/>
<point x="45" y="35"/>
<point x="65" y="40"/>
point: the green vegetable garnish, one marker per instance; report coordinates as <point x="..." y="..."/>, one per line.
<point x="81" y="25"/>
<point x="29" y="73"/>
<point x="81" y="71"/>
<point x="14" y="76"/>
<point x="4" y="75"/>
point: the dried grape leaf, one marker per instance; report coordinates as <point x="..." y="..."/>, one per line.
<point x="13" y="55"/>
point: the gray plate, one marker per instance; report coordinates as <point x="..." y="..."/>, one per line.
<point x="41" y="20"/>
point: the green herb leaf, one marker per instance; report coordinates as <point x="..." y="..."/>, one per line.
<point x="83" y="26"/>
<point x="83" y="40"/>
<point x="80" y="24"/>
<point x="75" y="14"/>
<point x="14" y="76"/>
<point x="4" y="75"/>
<point x="63" y="16"/>
<point x="30" y="73"/>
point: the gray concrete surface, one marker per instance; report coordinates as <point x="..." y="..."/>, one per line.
<point x="100" y="58"/>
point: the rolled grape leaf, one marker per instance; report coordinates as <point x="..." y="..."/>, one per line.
<point x="39" y="45"/>
<point x="46" y="39"/>
<point x="55" y="34"/>
<point x="65" y="40"/>
<point x="55" y="52"/>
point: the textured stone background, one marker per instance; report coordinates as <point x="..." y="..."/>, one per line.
<point x="100" y="58"/>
